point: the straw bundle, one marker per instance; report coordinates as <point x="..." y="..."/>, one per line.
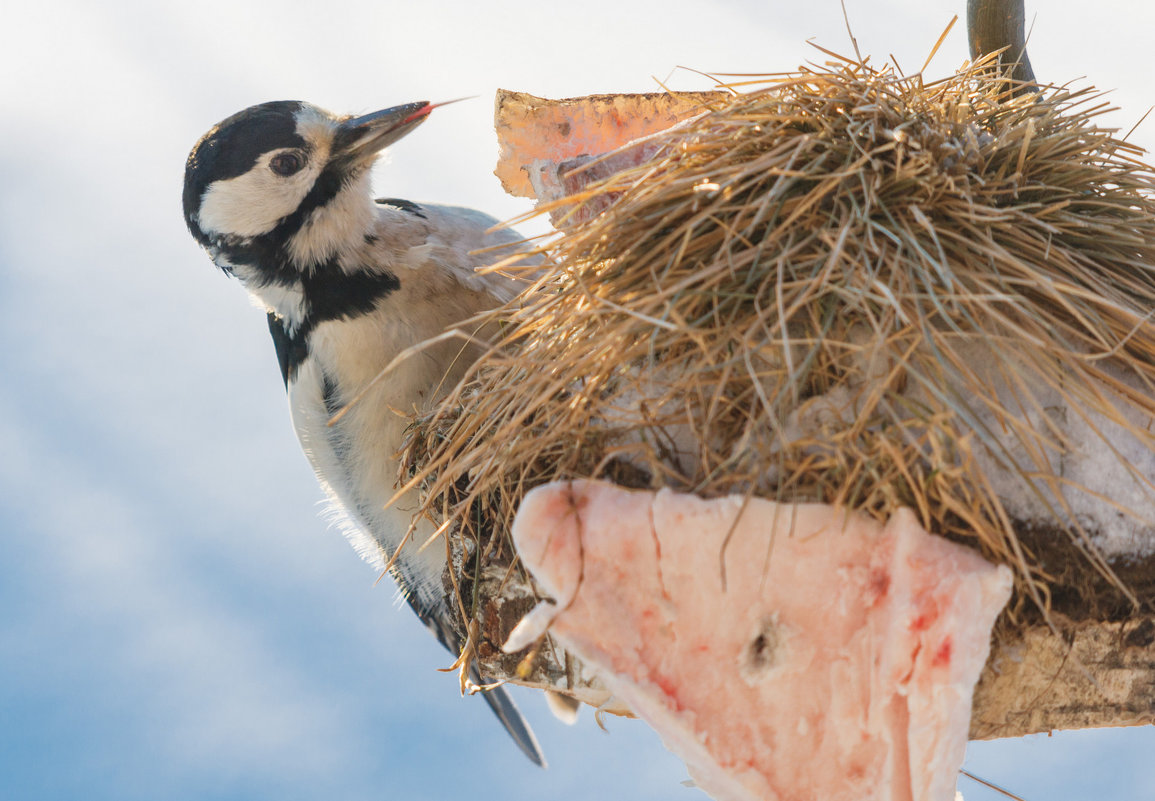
<point x="846" y="285"/>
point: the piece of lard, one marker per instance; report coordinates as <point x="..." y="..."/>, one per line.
<point x="784" y="651"/>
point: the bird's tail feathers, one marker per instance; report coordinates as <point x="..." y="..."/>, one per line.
<point x="510" y="717"/>
<point x="436" y="618"/>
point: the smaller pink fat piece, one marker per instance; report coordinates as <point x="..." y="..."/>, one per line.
<point x="543" y="131"/>
<point x="784" y="651"/>
<point x="555" y="149"/>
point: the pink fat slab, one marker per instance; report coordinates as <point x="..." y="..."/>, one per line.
<point x="784" y="651"/>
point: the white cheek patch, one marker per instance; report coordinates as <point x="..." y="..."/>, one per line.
<point x="253" y="203"/>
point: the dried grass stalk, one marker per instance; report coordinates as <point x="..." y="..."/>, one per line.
<point x="847" y="286"/>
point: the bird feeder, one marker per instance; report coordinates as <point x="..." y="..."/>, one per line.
<point x="826" y="434"/>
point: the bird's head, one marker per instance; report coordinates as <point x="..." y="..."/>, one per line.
<point x="280" y="188"/>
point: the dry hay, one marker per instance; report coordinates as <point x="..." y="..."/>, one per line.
<point x="809" y="294"/>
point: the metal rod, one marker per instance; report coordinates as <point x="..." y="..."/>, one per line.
<point x="991" y="785"/>
<point x="995" y="24"/>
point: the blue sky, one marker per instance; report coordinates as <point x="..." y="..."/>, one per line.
<point x="176" y="621"/>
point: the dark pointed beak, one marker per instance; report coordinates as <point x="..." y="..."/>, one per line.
<point x="362" y="138"/>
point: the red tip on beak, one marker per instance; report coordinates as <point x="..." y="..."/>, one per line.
<point x="419" y="113"/>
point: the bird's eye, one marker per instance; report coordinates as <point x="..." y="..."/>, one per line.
<point x="286" y="163"/>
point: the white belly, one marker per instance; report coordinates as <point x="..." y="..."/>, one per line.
<point x="355" y="459"/>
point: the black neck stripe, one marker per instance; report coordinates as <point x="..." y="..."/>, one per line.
<point x="292" y="349"/>
<point x="333" y="294"/>
<point x="330" y="294"/>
